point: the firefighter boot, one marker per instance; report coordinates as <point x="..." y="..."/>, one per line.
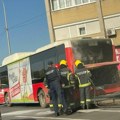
<point x="57" y="114"/>
<point x="69" y="111"/>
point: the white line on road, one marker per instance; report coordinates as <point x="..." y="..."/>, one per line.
<point x="18" y="112"/>
<point x="45" y="113"/>
<point x="89" y="110"/>
<point x="95" y="110"/>
<point x="50" y="118"/>
<point x="110" y="111"/>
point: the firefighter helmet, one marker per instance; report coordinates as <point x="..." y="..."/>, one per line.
<point x="77" y="62"/>
<point x="63" y="62"/>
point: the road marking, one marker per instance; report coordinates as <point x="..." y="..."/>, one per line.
<point x="96" y="110"/>
<point x="18" y="112"/>
<point x="45" y="113"/>
<point x="50" y="118"/>
<point x="110" y="111"/>
<point x="89" y="110"/>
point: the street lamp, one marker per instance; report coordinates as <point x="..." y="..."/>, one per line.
<point x="6" y="28"/>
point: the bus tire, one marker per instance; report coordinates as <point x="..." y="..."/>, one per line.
<point x="7" y="100"/>
<point x="42" y="99"/>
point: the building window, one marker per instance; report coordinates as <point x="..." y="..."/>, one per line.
<point x="82" y="31"/>
<point x="55" y="4"/>
<point x="78" y="2"/>
<point x="68" y="3"/>
<point x="92" y="0"/>
<point x="62" y="3"/>
<point x="85" y="1"/>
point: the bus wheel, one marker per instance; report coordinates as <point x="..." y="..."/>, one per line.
<point x="7" y="100"/>
<point x="41" y="98"/>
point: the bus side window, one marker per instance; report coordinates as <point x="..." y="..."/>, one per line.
<point x="60" y="53"/>
<point x="50" y="55"/>
<point x="0" y="86"/>
<point x="42" y="73"/>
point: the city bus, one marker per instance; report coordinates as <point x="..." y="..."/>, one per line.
<point x="24" y="73"/>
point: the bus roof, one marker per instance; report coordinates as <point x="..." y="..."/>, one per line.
<point x="66" y="42"/>
<point x="15" y="57"/>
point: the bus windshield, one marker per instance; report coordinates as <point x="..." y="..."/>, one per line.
<point x="93" y="50"/>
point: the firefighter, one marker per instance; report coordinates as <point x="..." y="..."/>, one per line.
<point x="53" y="82"/>
<point x="83" y="76"/>
<point x="66" y="84"/>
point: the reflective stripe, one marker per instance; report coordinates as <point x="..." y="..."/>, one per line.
<point x="49" y="72"/>
<point x="68" y="86"/>
<point x="59" y="105"/>
<point x="72" y="82"/>
<point x="88" y="100"/>
<point x="82" y="102"/>
<point x="68" y="75"/>
<point x="84" y="85"/>
<point x="78" y="79"/>
<point x="50" y="105"/>
<point x="88" y="71"/>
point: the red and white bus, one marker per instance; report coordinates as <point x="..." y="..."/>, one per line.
<point x="24" y="72"/>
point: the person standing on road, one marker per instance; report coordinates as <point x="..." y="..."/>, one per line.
<point x="53" y="82"/>
<point x="83" y="76"/>
<point x="66" y="83"/>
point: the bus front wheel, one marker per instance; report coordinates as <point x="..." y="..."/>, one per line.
<point x="42" y="99"/>
<point x="7" y="100"/>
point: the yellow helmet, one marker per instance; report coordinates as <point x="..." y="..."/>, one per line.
<point x="63" y="62"/>
<point x="77" y="62"/>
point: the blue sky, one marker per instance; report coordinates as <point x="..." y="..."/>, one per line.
<point x="27" y="24"/>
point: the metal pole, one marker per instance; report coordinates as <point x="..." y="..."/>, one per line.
<point x="101" y="20"/>
<point x="50" y="22"/>
<point x="6" y="28"/>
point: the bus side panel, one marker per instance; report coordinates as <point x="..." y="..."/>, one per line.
<point x="20" y="82"/>
<point x="70" y="58"/>
<point x="25" y="81"/>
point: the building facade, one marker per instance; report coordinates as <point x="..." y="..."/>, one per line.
<point x="69" y="19"/>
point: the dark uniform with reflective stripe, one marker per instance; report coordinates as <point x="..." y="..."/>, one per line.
<point x="53" y="82"/>
<point x="67" y="85"/>
<point x="83" y="76"/>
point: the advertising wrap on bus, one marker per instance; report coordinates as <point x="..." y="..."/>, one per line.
<point x="20" y="83"/>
